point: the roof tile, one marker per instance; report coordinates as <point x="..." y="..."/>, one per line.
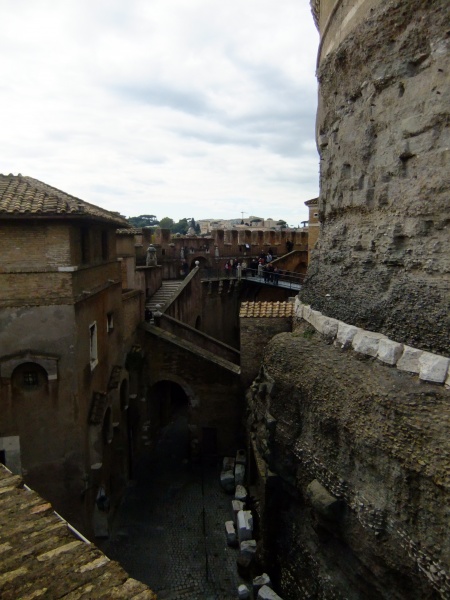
<point x="26" y="196"/>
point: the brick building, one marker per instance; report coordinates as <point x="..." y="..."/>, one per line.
<point x="66" y="329"/>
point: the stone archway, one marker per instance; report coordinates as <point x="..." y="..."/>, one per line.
<point x="203" y="262"/>
<point x="169" y="411"/>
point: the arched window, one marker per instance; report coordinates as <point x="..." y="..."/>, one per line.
<point x="29" y="376"/>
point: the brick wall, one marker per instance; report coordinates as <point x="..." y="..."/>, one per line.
<point x="33" y="244"/>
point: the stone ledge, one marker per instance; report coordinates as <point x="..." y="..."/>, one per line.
<point x="430" y="367"/>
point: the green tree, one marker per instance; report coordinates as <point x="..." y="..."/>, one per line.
<point x="166" y="223"/>
<point x="181" y="227"/>
<point x="143" y="221"/>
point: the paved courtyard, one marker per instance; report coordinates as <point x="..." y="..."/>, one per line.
<point x="169" y="532"/>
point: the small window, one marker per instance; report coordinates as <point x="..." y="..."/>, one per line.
<point x="30" y="379"/>
<point x="316" y="214"/>
<point x="109" y="322"/>
<point x="93" y="345"/>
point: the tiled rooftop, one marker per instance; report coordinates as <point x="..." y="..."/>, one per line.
<point x="41" y="558"/>
<point x="266" y="309"/>
<point x="25" y="196"/>
<point x="130" y="231"/>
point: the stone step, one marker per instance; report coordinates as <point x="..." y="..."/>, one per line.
<point x="163" y="295"/>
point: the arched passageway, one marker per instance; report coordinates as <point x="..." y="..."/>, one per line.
<point x="168" y="409"/>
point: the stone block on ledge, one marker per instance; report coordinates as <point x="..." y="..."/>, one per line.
<point x="389" y="352"/>
<point x="433" y="367"/>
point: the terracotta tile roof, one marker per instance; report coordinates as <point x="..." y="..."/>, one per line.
<point x="41" y="557"/>
<point x="266" y="309"/>
<point x="130" y="231"/>
<point x="25" y="196"/>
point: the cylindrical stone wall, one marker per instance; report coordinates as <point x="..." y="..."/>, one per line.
<point x="382" y="261"/>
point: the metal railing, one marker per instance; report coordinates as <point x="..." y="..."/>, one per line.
<point x="286" y="279"/>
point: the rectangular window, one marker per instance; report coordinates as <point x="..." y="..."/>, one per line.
<point x="93" y="345"/>
<point x="109" y="322"/>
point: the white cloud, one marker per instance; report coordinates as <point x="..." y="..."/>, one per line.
<point x="199" y="108"/>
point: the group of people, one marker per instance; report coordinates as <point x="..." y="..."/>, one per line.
<point x="259" y="267"/>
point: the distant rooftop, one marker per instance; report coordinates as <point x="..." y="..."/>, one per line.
<point x="22" y="196"/>
<point x="266" y="309"/>
<point x="41" y="557"/>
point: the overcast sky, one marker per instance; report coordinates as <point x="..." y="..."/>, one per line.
<point x="179" y="108"/>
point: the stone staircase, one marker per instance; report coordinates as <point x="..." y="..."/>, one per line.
<point x="164" y="294"/>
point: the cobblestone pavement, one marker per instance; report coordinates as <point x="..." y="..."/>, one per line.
<point x="170" y="530"/>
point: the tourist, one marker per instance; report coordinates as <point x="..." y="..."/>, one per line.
<point x="276" y="275"/>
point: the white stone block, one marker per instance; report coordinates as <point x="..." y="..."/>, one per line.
<point x="433" y="367"/>
<point x="409" y="360"/>
<point x="228" y="463"/>
<point x="240" y="493"/>
<point x="243" y="592"/>
<point x="230" y="532"/>
<point x="248" y="547"/>
<point x="447" y="381"/>
<point x="241" y="457"/>
<point x="239" y="474"/>
<point x="259" y="581"/>
<point x="314" y="316"/>
<point x="345" y="334"/>
<point x="366" y="342"/>
<point x="298" y="309"/>
<point x="389" y="352"/>
<point x="227" y="481"/>
<point x="237" y="505"/>
<point x="306" y="311"/>
<point x="244" y="525"/>
<point x="327" y="326"/>
<point x="267" y="593"/>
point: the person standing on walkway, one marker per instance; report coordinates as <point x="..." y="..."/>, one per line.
<point x="260" y="267"/>
<point x="276" y="275"/>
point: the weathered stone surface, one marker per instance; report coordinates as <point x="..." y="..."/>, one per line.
<point x="248" y="547"/>
<point x="267" y="593"/>
<point x="366" y="342"/>
<point x="228" y="463"/>
<point x="345" y="335"/>
<point x="227" y="481"/>
<point x="382" y="122"/>
<point x="433" y="367"/>
<point x="230" y="532"/>
<point x="240" y="493"/>
<point x="239" y="474"/>
<point x="322" y="501"/>
<point x="409" y="360"/>
<point x="243" y="591"/>
<point x="327" y="327"/>
<point x="373" y="437"/>
<point x="259" y="581"/>
<point x="389" y="352"/>
<point x="241" y="457"/>
<point x="236" y="506"/>
<point x="244" y="525"/>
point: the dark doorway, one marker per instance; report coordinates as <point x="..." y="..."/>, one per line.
<point x="168" y="408"/>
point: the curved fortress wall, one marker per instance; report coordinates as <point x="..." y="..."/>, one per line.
<point x="383" y="260"/>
